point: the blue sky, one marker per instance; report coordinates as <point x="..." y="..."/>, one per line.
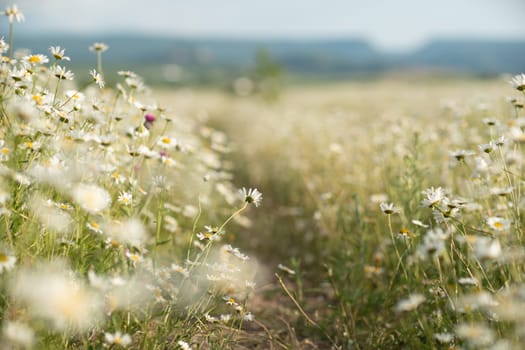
<point x="389" y="24"/>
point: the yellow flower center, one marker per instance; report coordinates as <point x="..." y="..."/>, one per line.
<point x="166" y="140"/>
<point x="38" y="99"/>
<point x="3" y="258"/>
<point x="29" y="144"/>
<point x="34" y="59"/>
<point x="498" y="224"/>
<point x="4" y="151"/>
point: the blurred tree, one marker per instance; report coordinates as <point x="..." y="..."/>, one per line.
<point x="268" y="75"/>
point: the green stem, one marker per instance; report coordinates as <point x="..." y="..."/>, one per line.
<point x="10" y="40"/>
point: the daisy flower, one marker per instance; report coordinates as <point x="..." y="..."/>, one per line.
<point x="134" y="257"/>
<point x="127" y="74"/>
<point x="518" y="82"/>
<point x="498" y="224"/>
<point x="58" y="53"/>
<point x="419" y="223"/>
<point x="91" y="197"/>
<point x="389" y="208"/>
<point x="98" y="47"/>
<point x="460" y="155"/>
<point x="63" y="74"/>
<point x="125" y="198"/>
<point x="167" y="142"/>
<point x="251" y="195"/>
<point x="4" y="151"/>
<point x="3" y="46"/>
<point x="433" y="196"/>
<point x="94" y="226"/>
<point x="444" y="338"/>
<point x="13" y="13"/>
<point x="97" y="78"/>
<point x="35" y="59"/>
<point x="118" y="178"/>
<point x="405" y="234"/>
<point x="501" y="191"/>
<point x="180" y="269"/>
<point x="477" y="335"/>
<point x="19" y="334"/>
<point x="487" y="147"/>
<point x="487" y="248"/>
<point x="117" y="338"/>
<point x="183" y="345"/>
<point x="410" y="303"/>
<point x="7" y="261"/>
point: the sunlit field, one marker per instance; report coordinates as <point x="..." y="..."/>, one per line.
<point x="373" y="214"/>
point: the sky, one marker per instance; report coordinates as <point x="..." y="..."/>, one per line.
<point x="394" y="25"/>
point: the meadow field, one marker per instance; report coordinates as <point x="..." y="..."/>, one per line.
<point x="389" y="200"/>
<point x="369" y="214"/>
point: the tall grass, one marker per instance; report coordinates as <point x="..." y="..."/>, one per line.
<point x="438" y="263"/>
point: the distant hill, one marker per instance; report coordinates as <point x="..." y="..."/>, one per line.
<point x="206" y="59"/>
<point x="478" y="57"/>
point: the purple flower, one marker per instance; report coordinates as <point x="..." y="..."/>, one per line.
<point x="150" y="118"/>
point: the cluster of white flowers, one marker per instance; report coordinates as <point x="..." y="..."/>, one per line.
<point x="87" y="183"/>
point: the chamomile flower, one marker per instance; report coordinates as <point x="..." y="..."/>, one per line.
<point x="58" y="53"/>
<point x="389" y="208"/>
<point x="468" y="281"/>
<point x="501" y="191"/>
<point x="477" y="335"/>
<point x="487" y="147"/>
<point x="405" y="234"/>
<point x="13" y="13"/>
<point x="127" y="74"/>
<point x="419" y="223"/>
<point x="235" y="252"/>
<point x="118" y="178"/>
<point x="63" y="74"/>
<point x="183" y="345"/>
<point x="117" y="338"/>
<point x="460" y="155"/>
<point x="487" y="248"/>
<point x="91" y="197"/>
<point x="4" y="151"/>
<point x="7" y="261"/>
<point x="518" y="82"/>
<point x="498" y="224"/>
<point x="94" y="226"/>
<point x="52" y="293"/>
<point x="3" y="46"/>
<point x="180" y="269"/>
<point x="134" y="257"/>
<point x="97" y="78"/>
<point x="433" y="196"/>
<point x="251" y="195"/>
<point x="444" y="338"/>
<point x="167" y="142"/>
<point x="35" y="59"/>
<point x="98" y="47"/>
<point x="18" y="334"/>
<point x="125" y="198"/>
<point x="410" y="303"/>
